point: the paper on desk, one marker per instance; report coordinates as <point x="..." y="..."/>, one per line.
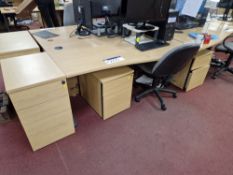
<point x="45" y="34"/>
<point x="171" y="19"/>
<point x="114" y="60"/>
<point x="191" y="7"/>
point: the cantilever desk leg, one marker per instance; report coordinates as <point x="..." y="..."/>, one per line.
<point x="6" y="23"/>
<point x="75" y="120"/>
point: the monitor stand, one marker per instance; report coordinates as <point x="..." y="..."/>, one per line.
<point x="144" y="27"/>
<point x="82" y="31"/>
<point x="140" y="38"/>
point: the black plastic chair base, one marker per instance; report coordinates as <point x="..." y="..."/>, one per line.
<point x="156" y="92"/>
<point x="222" y="66"/>
<point x="221" y="70"/>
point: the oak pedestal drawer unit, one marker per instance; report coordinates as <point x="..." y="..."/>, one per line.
<point x="194" y="74"/>
<point x="108" y="92"/>
<point x="38" y="91"/>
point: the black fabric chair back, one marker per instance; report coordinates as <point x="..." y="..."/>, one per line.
<point x="228" y="43"/>
<point x="175" y="60"/>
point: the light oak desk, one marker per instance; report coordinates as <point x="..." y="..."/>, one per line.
<point x="8" y="10"/>
<point x="81" y="56"/>
<point x="13" y="9"/>
<point x="36" y="83"/>
<point x="17" y="44"/>
<point x="194" y="74"/>
<point x="35" y="87"/>
<point x="77" y="57"/>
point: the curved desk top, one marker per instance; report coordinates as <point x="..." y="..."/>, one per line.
<point x="84" y="55"/>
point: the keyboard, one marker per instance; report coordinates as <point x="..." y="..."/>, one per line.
<point x="183" y="26"/>
<point x="150" y="45"/>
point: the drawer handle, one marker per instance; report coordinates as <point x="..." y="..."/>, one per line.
<point x="63" y="82"/>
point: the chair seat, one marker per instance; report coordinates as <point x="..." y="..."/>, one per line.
<point x="221" y="48"/>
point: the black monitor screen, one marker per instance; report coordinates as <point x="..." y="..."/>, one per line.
<point x="142" y="11"/>
<point x="97" y="7"/>
<point x="173" y="4"/>
<point x="94" y="9"/>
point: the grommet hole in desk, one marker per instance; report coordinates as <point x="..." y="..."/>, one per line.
<point x="58" y="47"/>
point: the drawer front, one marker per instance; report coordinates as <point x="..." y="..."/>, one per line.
<point x="47" y="122"/>
<point x="197" y="78"/>
<point x="202" y="60"/>
<point x="37" y="95"/>
<point x="117" y="95"/>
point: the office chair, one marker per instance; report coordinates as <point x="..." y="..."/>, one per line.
<point x="68" y="16"/>
<point x="223" y="66"/>
<point x="161" y="72"/>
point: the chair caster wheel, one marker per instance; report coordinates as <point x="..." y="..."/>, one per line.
<point x="136" y="99"/>
<point x="174" y="95"/>
<point x="163" y="107"/>
<point x="213" y="77"/>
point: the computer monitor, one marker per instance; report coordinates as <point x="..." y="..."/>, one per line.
<point x="95" y="9"/>
<point x="82" y="12"/>
<point x="99" y="8"/>
<point x="173" y="4"/>
<point x="143" y="11"/>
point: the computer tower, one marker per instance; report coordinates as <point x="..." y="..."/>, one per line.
<point x="167" y="28"/>
<point x="82" y="12"/>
